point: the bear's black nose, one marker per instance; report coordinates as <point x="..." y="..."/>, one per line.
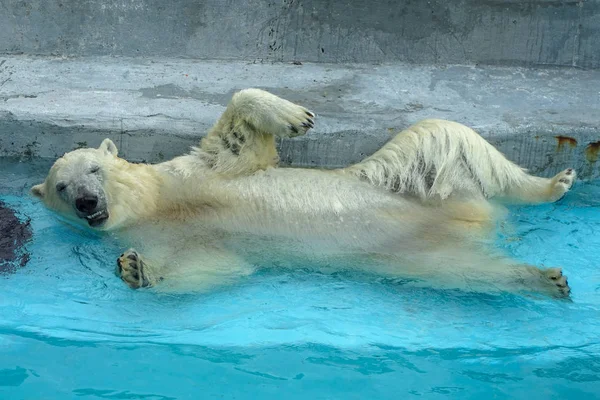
<point x="86" y="204"/>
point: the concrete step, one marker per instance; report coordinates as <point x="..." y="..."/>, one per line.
<point x="543" y="119"/>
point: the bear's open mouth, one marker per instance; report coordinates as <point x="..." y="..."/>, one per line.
<point x="97" y="218"/>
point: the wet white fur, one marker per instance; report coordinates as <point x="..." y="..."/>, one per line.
<point x="213" y="215"/>
<point x="437" y="159"/>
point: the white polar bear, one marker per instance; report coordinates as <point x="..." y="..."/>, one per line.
<point x="415" y="208"/>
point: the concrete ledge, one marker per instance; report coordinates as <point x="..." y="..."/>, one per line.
<point x="543" y="119"/>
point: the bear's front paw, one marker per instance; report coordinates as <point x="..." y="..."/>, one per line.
<point x="301" y="123"/>
<point x="562" y="183"/>
<point x="289" y="120"/>
<point x="130" y="267"/>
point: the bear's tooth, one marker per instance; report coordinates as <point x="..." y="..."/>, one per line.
<point x="94" y="215"/>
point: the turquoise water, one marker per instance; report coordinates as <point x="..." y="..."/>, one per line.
<point x="70" y="329"/>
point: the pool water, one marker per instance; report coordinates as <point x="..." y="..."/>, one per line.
<point x="69" y="328"/>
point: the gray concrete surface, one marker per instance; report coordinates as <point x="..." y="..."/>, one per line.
<point x="495" y="32"/>
<point x="544" y="119"/>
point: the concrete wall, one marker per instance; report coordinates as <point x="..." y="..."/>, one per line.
<point x="501" y="32"/>
<point x="544" y="119"/>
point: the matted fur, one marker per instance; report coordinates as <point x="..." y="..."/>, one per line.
<point x="437" y="159"/>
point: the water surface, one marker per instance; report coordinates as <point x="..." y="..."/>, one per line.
<point x="69" y="328"/>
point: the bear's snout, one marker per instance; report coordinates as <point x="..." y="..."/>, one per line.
<point x="87" y="203"/>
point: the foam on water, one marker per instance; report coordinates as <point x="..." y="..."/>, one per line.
<point x="69" y="328"/>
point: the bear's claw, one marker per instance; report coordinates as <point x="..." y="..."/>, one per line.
<point x="300" y="128"/>
<point x="131" y="270"/>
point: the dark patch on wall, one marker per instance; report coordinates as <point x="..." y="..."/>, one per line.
<point x="565" y="141"/>
<point x="14" y="235"/>
<point x="592" y="152"/>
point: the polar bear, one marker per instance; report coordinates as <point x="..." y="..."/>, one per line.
<point x="417" y="208"/>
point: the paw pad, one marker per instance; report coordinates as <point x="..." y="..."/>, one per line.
<point x="131" y="270"/>
<point x="562" y="182"/>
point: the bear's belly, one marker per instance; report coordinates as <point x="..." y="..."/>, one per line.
<point x="296" y="214"/>
<point x="279" y="232"/>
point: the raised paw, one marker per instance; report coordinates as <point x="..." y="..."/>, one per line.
<point x="287" y="119"/>
<point x="556" y="281"/>
<point x="272" y="114"/>
<point x="562" y="182"/>
<point x="131" y="269"/>
<point x="301" y="122"/>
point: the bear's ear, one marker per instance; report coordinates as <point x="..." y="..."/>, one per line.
<point x="38" y="190"/>
<point x="109" y="147"/>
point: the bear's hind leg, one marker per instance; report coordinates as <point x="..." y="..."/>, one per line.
<point x="528" y="278"/>
<point x="469" y="269"/>
<point x="134" y="271"/>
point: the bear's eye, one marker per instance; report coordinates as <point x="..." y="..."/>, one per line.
<point x="94" y="170"/>
<point x="60" y="186"/>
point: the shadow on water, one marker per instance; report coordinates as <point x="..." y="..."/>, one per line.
<point x="14" y="234"/>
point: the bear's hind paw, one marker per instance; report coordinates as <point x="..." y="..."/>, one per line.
<point x="562" y="182"/>
<point x="556" y="281"/>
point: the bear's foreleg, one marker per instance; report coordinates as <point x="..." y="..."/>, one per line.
<point x="266" y="113"/>
<point x="192" y="268"/>
<point x="243" y="140"/>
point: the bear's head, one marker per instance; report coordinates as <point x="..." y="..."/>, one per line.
<point x="78" y="187"/>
